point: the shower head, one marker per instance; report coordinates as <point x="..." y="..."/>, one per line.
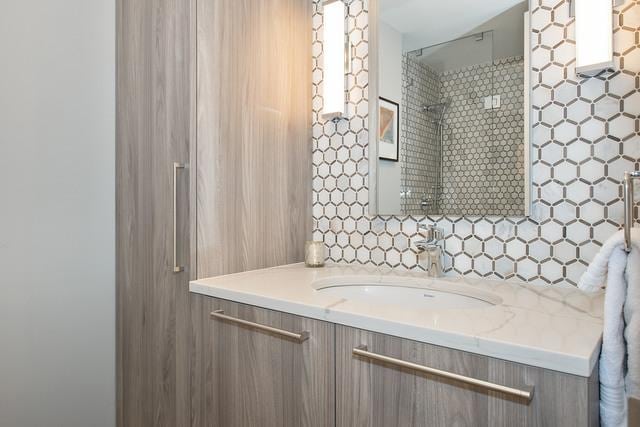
<point x="435" y="108"/>
<point x="440" y="108"/>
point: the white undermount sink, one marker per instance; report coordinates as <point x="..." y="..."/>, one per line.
<point x="406" y="293"/>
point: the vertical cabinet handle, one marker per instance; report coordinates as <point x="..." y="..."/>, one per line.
<point x="176" y="268"/>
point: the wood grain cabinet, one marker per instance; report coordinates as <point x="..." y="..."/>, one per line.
<point x="248" y="376"/>
<point x="223" y="89"/>
<point x="153" y="132"/>
<point x="259" y="367"/>
<point x="374" y="393"/>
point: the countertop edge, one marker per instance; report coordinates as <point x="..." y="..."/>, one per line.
<point x="568" y="364"/>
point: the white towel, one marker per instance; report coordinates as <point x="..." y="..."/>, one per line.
<point x="632" y="320"/>
<point x="619" y="273"/>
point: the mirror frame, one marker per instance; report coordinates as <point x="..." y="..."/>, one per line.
<point x="373" y="107"/>
<point x="373" y="116"/>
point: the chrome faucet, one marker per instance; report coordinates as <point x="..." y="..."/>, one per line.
<point x="430" y="247"/>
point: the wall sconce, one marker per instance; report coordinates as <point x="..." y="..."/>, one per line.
<point x="335" y="59"/>
<point x="594" y="35"/>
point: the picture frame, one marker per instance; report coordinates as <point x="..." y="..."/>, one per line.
<point x="389" y="130"/>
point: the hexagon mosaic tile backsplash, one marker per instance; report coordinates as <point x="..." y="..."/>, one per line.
<point x="585" y="134"/>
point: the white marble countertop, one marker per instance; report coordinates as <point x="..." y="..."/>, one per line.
<point x="553" y="327"/>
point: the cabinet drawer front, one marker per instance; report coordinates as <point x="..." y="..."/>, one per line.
<point x="256" y="370"/>
<point x="382" y="392"/>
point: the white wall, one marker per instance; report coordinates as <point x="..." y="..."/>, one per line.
<point x="390" y="87"/>
<point x="57" y="281"/>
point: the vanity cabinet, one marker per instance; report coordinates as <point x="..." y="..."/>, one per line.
<point x="384" y="393"/>
<point x="253" y="375"/>
<point x="260" y="367"/>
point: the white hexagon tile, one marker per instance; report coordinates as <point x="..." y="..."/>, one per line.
<point x="585" y="134"/>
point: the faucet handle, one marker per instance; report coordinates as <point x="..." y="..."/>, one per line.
<point x="431" y="232"/>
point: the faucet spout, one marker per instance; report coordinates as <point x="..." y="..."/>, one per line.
<point x="423" y="245"/>
<point x="433" y="255"/>
<point x="430" y="248"/>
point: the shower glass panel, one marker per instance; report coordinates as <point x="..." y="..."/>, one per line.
<point x="447" y="109"/>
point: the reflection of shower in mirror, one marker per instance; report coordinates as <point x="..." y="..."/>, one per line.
<point x="459" y="154"/>
<point x="432" y="196"/>
<point x="439" y="109"/>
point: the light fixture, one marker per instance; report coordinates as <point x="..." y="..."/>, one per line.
<point x="594" y="36"/>
<point x="333" y="53"/>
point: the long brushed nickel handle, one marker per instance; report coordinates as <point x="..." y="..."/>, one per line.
<point x="525" y="394"/>
<point x="301" y="337"/>
<point x="176" y="268"/>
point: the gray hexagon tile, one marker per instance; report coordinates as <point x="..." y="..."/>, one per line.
<point x="585" y="133"/>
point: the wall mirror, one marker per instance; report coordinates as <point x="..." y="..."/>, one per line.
<point x="452" y="111"/>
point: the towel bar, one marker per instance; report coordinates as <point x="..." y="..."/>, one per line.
<point x="628" y="206"/>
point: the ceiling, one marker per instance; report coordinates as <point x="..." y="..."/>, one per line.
<point x="427" y="22"/>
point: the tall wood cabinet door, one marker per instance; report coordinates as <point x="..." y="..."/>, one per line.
<point x="250" y="377"/>
<point x="154" y="126"/>
<point x="374" y="393"/>
<point x="254" y="134"/>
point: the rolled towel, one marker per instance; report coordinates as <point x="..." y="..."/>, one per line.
<point x="595" y="278"/>
<point x="614" y="269"/>
<point x="632" y="322"/>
